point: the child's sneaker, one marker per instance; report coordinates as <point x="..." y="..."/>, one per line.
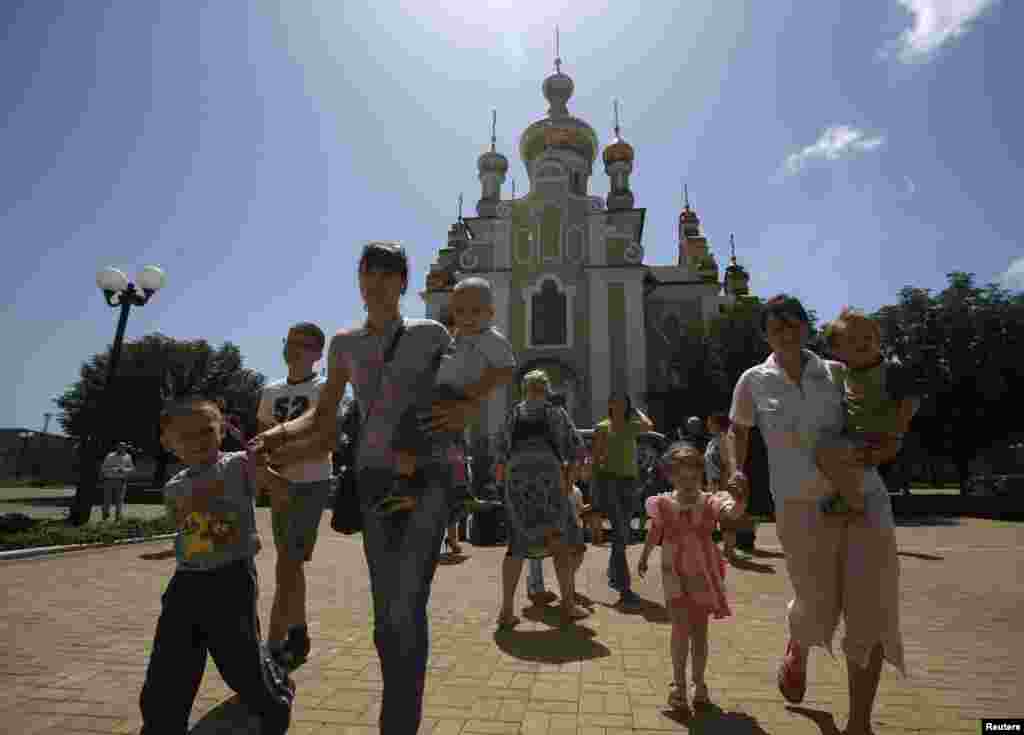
<point x="677" y="697"/>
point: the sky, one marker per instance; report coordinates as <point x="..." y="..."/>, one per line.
<point x="249" y="149"/>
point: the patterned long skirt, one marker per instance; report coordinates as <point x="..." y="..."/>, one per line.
<point x="534" y="502"/>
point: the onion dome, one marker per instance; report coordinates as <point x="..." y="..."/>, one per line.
<point x="559" y="129"/>
<point x="492" y="162"/>
<point x="736" y="278"/>
<point x="558" y="88"/>
<point x="618" y="149"/>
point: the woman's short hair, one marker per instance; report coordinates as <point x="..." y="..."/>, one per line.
<point x="847" y="316"/>
<point x="537" y="377"/>
<point x="385" y="255"/>
<point x="783" y="306"/>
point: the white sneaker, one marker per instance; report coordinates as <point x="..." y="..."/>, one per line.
<point x="700" y="694"/>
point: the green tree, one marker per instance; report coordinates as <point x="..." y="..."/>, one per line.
<point x="967" y="339"/>
<point x="152" y="369"/>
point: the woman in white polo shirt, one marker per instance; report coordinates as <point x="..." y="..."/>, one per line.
<point x="836" y="565"/>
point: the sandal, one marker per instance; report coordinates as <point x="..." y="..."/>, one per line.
<point x="507" y="623"/>
<point x="792" y="681"/>
<point x="570" y="614"/>
<point x="700" y="695"/>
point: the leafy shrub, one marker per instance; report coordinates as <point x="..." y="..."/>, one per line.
<point x="20" y="532"/>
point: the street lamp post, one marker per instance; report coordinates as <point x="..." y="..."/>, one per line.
<point x="118" y="291"/>
<point x="25" y="436"/>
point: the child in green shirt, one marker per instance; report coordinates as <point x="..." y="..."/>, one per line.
<point x="879" y="403"/>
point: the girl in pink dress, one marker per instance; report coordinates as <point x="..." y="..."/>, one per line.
<point x="692" y="568"/>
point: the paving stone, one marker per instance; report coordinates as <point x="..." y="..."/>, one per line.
<point x="77" y="634"/>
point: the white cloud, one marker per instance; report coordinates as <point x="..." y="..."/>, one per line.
<point x="836" y="142"/>
<point x="935" y="23"/>
<point x="1013" y="278"/>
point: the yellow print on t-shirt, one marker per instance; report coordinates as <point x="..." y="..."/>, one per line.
<point x="204" y="532"/>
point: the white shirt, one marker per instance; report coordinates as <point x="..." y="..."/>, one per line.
<point x="282" y="401"/>
<point x="472" y="355"/>
<point x="793" y="419"/>
<point x="116" y="466"/>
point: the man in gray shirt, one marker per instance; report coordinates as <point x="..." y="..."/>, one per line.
<point x="402" y="550"/>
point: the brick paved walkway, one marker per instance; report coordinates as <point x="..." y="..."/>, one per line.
<point x="77" y="628"/>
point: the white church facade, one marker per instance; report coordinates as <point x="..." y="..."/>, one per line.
<point x="571" y="289"/>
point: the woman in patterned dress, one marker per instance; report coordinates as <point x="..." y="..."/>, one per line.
<point x="537" y="451"/>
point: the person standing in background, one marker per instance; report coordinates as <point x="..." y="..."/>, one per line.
<point x="116" y="468"/>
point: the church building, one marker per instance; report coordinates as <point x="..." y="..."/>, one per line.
<point x="571" y="289"/>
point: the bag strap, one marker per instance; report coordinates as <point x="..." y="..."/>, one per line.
<point x="389" y="355"/>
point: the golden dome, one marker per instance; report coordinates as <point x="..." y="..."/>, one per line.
<point x="617" y="150"/>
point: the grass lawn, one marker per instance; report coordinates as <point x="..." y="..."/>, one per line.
<point x="18" y="531"/>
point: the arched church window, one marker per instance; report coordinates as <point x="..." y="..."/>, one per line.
<point x="548" y="315"/>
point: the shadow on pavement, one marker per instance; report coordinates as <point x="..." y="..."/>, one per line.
<point x="824" y="720"/>
<point x="767" y="554"/>
<point x="168" y="554"/>
<point x="918" y="555"/>
<point x="713" y="720"/>
<point x="751" y="566"/>
<point x="228" y="718"/>
<point x="652" y="612"/>
<point x="558" y="646"/>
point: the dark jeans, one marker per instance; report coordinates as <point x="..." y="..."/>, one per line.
<point x="402" y="556"/>
<point x="616" y="498"/>
<point x="212" y="612"/>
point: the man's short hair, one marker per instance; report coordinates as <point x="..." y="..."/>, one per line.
<point x="310" y="330"/>
<point x="848" y="315"/>
<point x="476" y="283"/>
<point x="385" y="255"/>
<point x="783" y="306"/>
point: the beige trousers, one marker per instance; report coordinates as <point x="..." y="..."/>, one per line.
<point x="847" y="567"/>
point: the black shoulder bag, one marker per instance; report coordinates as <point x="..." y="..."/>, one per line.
<point x="346" y="511"/>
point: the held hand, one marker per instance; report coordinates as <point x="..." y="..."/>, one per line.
<point x="642" y="567"/>
<point x="738" y="485"/>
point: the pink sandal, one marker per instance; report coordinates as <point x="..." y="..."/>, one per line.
<point x="792" y="680"/>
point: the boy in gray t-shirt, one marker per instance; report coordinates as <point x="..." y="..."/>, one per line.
<point x="209" y="605"/>
<point x="482" y="360"/>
